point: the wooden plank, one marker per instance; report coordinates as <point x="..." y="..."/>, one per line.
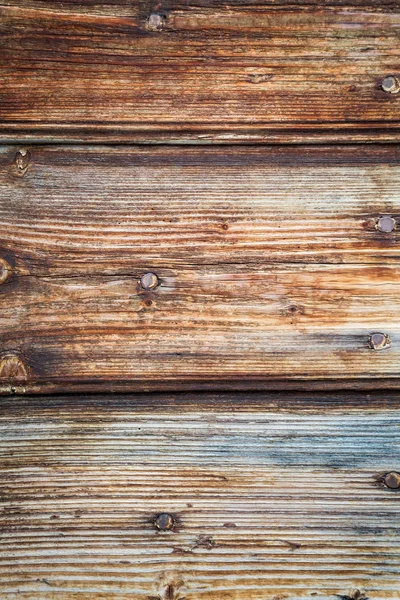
<point x="249" y="71"/>
<point x="272" y="497"/>
<point x="270" y="266"/>
<point x="212" y="325"/>
<point x="102" y="210"/>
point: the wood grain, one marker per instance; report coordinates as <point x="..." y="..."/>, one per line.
<point x="247" y="71"/>
<point x="273" y="497"/>
<point x="272" y="272"/>
<point x="103" y="210"/>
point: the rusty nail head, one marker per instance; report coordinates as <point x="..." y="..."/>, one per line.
<point x="392" y="480"/>
<point x="386" y="224"/>
<point x="149" y="281"/>
<point x="378" y="341"/>
<point x="12" y="368"/>
<point x="164" y="522"/>
<point x="22" y="159"/>
<point x="391" y="84"/>
<point x="155" y="22"/>
<point x="5" y="270"/>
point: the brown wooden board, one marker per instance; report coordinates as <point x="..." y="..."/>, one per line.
<point x="203" y="71"/>
<point x="272" y="497"/>
<point x="272" y="271"/>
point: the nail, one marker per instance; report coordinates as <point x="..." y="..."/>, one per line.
<point x="5" y="270"/>
<point x="392" y="480"/>
<point x="22" y="160"/>
<point x="154" y="22"/>
<point x="386" y="224"/>
<point x="378" y="341"/>
<point x="164" y="522"/>
<point x="149" y="281"/>
<point x="391" y="84"/>
<point x="356" y="594"/>
<point x="12" y="368"/>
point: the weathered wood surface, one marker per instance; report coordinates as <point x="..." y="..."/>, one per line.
<point x="273" y="497"/>
<point x="252" y="71"/>
<point x="272" y="271"/>
<point x="101" y="210"/>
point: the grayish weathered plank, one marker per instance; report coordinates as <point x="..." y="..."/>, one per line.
<point x="272" y="496"/>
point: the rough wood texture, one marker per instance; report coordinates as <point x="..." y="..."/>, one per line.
<point x="273" y="497"/>
<point x="270" y="264"/>
<point x="204" y="71"/>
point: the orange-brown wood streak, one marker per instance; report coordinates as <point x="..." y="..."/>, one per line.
<point x="270" y="265"/>
<point x="212" y="72"/>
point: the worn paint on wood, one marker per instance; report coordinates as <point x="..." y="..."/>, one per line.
<point x="268" y="267"/>
<point x="203" y="71"/>
<point x="272" y="497"/>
